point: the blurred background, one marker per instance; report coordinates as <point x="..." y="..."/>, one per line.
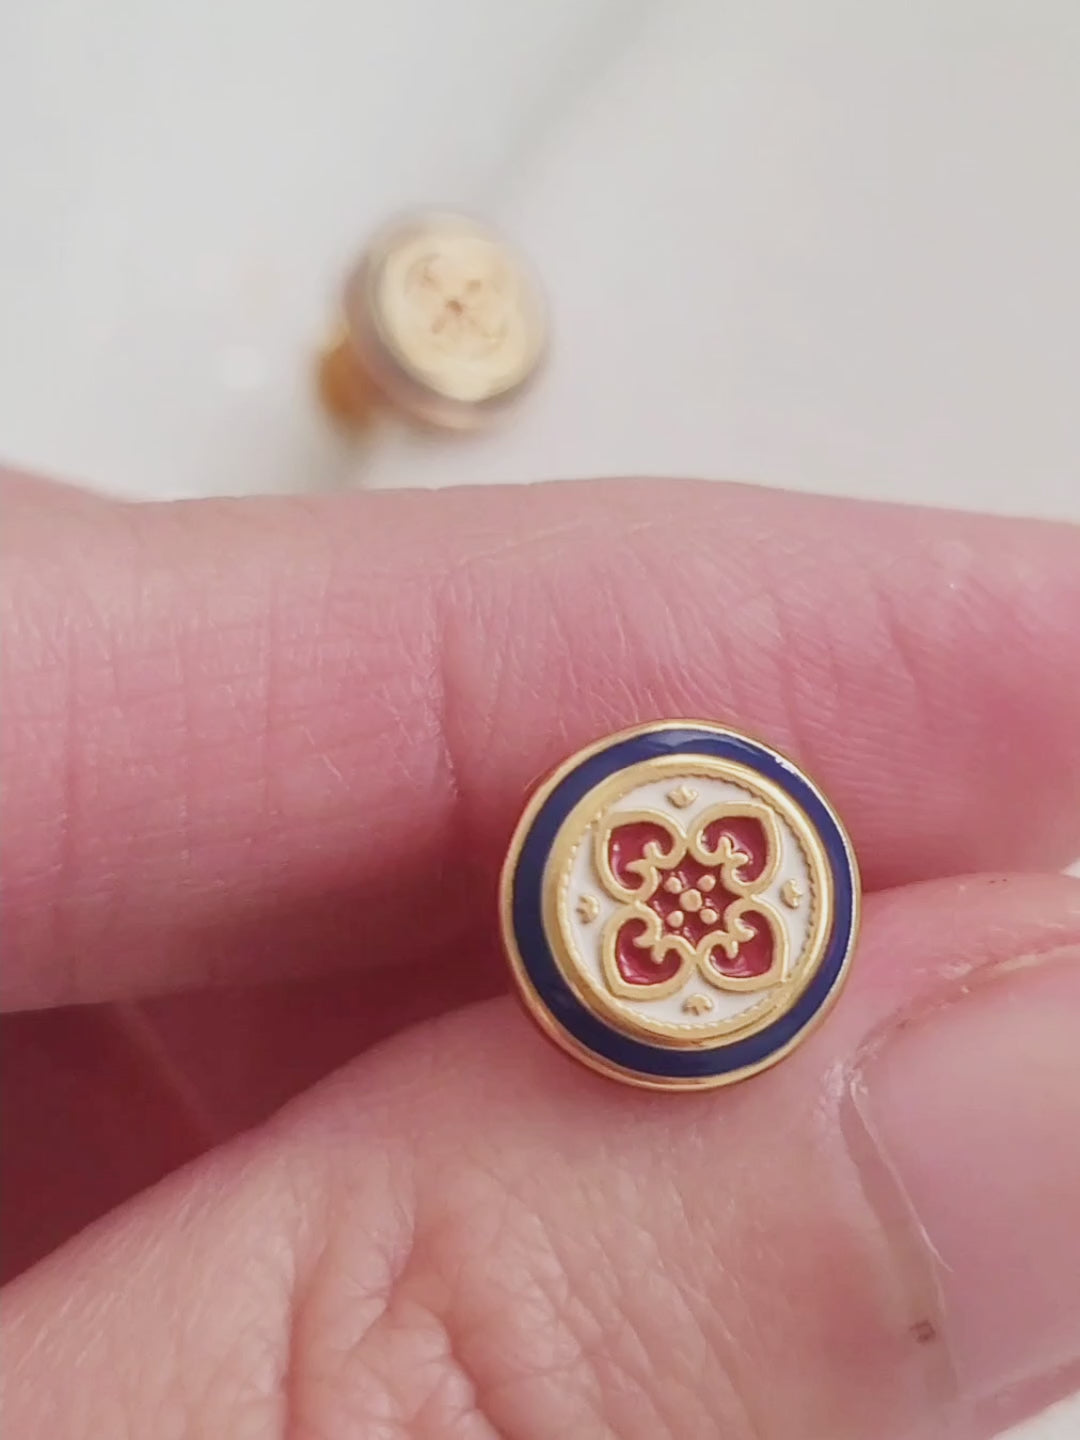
<point x="826" y="245"/>
<point x="829" y="245"/>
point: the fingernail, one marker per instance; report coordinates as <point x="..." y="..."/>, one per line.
<point x="973" y="1106"/>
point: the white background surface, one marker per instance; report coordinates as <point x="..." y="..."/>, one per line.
<point x="829" y="245"/>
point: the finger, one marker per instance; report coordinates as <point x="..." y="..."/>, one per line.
<point x="467" y="1235"/>
<point x="99" y="1101"/>
<point x="91" y="1111"/>
<point x="256" y="738"/>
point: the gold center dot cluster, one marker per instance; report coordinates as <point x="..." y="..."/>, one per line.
<point x="691" y="901"/>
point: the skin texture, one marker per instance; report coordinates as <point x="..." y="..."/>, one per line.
<point x="278" y="744"/>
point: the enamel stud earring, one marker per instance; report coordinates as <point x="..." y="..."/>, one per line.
<point x="679" y="905"/>
<point x="442" y="323"/>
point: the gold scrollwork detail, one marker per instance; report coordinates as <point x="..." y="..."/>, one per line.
<point x="724" y="859"/>
<point x="727" y="854"/>
<point x="653" y="858"/>
<point x="637" y="866"/>
<point x="662" y="946"/>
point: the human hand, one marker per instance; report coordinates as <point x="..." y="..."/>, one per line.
<point x="265" y="741"/>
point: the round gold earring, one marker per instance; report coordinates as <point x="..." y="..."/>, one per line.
<point x="443" y="323"/>
<point x="679" y="905"/>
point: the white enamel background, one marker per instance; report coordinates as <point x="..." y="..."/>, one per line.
<point x="815" y="243"/>
<point x="586" y="937"/>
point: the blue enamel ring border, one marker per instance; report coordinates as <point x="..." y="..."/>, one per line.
<point x="654" y="1062"/>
